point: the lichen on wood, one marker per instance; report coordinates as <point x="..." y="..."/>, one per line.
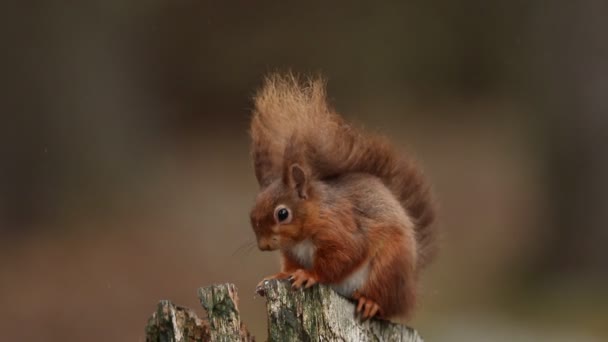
<point x="221" y="304"/>
<point x="315" y="314"/>
<point x="171" y="323"/>
<point x="320" y="314"/>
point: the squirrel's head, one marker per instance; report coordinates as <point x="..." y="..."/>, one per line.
<point x="280" y="210"/>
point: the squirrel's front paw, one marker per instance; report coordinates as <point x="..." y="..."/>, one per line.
<point x="301" y="278"/>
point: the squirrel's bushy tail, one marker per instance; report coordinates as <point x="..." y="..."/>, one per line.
<point x="288" y="108"/>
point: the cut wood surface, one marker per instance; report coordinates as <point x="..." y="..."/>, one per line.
<point x="315" y="314"/>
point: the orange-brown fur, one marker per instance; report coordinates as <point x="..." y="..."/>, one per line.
<point x="359" y="209"/>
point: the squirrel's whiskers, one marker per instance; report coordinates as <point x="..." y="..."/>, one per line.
<point x="245" y="248"/>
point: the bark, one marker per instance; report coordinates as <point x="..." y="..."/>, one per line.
<point x="320" y="314"/>
<point x="316" y="314"/>
<point x="171" y="323"/>
<point x="175" y="324"/>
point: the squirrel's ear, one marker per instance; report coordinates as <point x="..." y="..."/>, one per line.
<point x="298" y="179"/>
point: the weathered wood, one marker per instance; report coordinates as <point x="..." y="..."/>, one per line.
<point x="221" y="304"/>
<point x="171" y="323"/>
<point x="320" y="314"/>
<point x="315" y="314"/>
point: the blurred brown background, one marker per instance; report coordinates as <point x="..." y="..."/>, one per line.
<point x="125" y="176"/>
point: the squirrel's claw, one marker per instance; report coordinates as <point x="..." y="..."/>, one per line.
<point x="374" y="311"/>
<point x="302" y="278"/>
<point x="366" y="307"/>
<point x="310" y="282"/>
<point x="360" y="304"/>
<point x="371" y="309"/>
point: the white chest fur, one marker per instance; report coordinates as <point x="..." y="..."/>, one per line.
<point x="354" y="281"/>
<point x="304" y="252"/>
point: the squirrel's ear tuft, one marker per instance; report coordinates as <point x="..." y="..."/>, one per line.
<point x="298" y="180"/>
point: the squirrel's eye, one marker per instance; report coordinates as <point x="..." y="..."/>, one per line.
<point x="282" y="214"/>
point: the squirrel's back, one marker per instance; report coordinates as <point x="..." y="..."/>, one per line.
<point x="293" y="121"/>
<point x="371" y="200"/>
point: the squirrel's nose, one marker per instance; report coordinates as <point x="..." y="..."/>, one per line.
<point x="263" y="245"/>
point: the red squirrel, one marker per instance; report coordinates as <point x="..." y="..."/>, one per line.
<point x="343" y="206"/>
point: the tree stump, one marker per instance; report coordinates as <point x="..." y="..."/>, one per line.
<point x="315" y="314"/>
<point x="320" y="314"/>
<point x="171" y="323"/>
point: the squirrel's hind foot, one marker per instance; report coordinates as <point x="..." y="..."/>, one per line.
<point x="366" y="307"/>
